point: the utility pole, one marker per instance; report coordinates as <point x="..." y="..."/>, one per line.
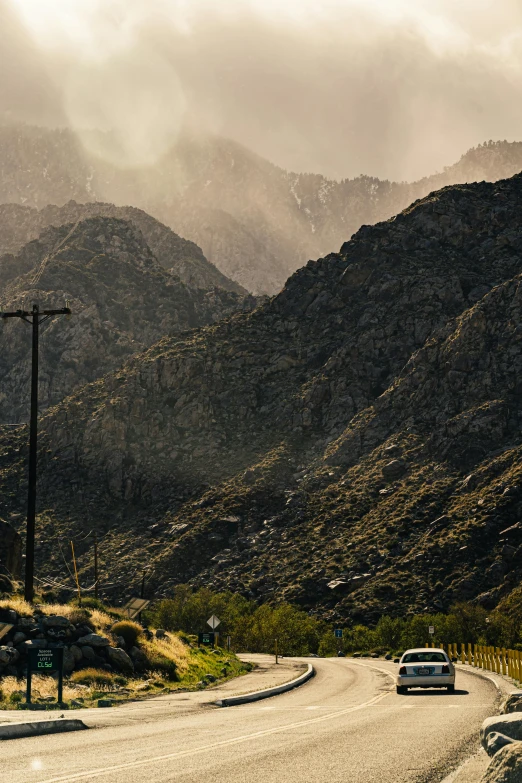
<point x="35" y="318"/>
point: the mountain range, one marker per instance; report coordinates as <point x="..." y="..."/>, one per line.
<point x="256" y="222"/>
<point x="352" y="444"/>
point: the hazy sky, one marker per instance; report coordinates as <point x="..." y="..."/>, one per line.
<point x="393" y="88"/>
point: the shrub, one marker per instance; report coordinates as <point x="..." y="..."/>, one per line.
<point x="119" y="680"/>
<point x="80" y="617"/>
<point x="98" y="677"/>
<point x="15" y="697"/>
<point x="166" y="666"/>
<point x="128" y="630"/>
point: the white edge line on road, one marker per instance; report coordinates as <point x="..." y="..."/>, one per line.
<point x="95" y="773"/>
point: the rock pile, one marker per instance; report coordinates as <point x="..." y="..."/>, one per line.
<point x="82" y="647"/>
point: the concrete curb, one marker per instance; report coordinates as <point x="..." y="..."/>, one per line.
<point x="268" y="692"/>
<point x="486" y="675"/>
<point x="38" y="728"/>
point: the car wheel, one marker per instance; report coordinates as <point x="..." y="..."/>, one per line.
<point x="402" y="689"/>
<point x="451" y="689"/>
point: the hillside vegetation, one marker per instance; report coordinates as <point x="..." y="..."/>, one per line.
<point x="105" y="655"/>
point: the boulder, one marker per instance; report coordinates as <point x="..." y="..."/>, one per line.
<point x="505" y="766"/>
<point x="161" y="633"/>
<point x="55" y="621"/>
<point x="394" y="469"/>
<point x="8" y="655"/>
<point x="94" y="640"/>
<point x="77" y="653"/>
<point x="88" y="653"/>
<point x="18" y="638"/>
<point x="496" y="741"/>
<point x="139" y="658"/>
<point x="512" y="703"/>
<point x="69" y="661"/>
<point x="509" y="725"/>
<point x="120" y="660"/>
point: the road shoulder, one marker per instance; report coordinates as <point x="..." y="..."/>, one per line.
<point x="266" y="674"/>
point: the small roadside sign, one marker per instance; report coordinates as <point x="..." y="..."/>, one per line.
<point x="338" y="633"/>
<point x="431" y="629"/>
<point x="213" y="622"/>
<point x="134" y="606"/>
<point x="44" y="661"/>
<point x="207" y="639"/>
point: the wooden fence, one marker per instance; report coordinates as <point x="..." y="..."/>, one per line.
<point x="492" y="659"/>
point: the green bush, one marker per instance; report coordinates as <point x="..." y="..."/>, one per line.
<point x="129" y="631"/>
<point x="97" y="677"/>
<point x="167" y="667"/>
<point x="15" y="698"/>
<point x="119" y="680"/>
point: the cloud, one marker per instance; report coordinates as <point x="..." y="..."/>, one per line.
<point x="386" y="87"/>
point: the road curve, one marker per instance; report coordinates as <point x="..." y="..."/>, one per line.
<point x="346" y="724"/>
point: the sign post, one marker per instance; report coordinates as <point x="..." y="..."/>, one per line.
<point x="338" y="633"/>
<point x="431" y="631"/>
<point x="45" y="661"/>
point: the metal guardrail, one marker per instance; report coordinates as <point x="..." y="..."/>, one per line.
<point x="493" y="659"/>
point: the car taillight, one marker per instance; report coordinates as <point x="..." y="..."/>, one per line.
<point x="402" y="670"/>
<point x="445" y="670"/>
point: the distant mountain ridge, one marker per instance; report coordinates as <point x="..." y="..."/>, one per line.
<point x="122" y="298"/>
<point x="21" y="224"/>
<point x="256" y="222"/>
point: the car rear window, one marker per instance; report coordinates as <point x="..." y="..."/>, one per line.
<point x="427" y="657"/>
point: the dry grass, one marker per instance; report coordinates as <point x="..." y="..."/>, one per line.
<point x="172" y="648"/>
<point x="40" y="688"/>
<point x="18" y="604"/>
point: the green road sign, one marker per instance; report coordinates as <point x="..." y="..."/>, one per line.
<point x="45" y="660"/>
<point x="206" y="638"/>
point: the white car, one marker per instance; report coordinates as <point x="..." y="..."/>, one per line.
<point x="425" y="668"/>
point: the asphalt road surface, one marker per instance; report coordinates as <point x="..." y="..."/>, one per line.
<point x="347" y="724"/>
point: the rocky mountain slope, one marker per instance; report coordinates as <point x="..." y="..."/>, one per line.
<point x="19" y="225"/>
<point x="123" y="301"/>
<point x="354" y="444"/>
<point x="256" y="222"/>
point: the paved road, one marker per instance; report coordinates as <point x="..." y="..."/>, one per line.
<point x="347" y="724"/>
